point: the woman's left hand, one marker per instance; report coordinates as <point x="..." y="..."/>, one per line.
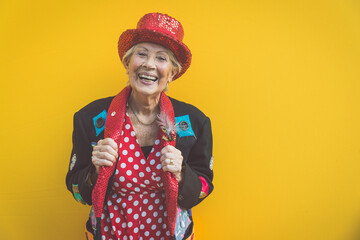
<point x="171" y="161"/>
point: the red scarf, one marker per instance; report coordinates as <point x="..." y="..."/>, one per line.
<point x="113" y="127"/>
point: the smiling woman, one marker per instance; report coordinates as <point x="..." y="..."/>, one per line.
<point x="131" y="161"/>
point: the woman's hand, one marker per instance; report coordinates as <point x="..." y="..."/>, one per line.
<point x="104" y="153"/>
<point x="171" y="161"/>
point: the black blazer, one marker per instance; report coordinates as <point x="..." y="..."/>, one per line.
<point x="194" y="140"/>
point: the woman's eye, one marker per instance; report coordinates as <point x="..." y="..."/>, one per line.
<point x="162" y="58"/>
<point x="142" y="54"/>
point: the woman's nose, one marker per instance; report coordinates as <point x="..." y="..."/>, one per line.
<point x="149" y="63"/>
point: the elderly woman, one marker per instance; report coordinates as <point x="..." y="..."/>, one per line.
<point x="141" y="158"/>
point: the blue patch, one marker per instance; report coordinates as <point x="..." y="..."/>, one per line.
<point x="183" y="126"/>
<point x="103" y="116"/>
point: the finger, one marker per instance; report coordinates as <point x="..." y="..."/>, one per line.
<point x="110" y="142"/>
<point x="105" y="156"/>
<point x="98" y="162"/>
<point x="172" y="168"/>
<point x="167" y="148"/>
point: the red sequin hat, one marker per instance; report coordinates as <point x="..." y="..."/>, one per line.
<point x="161" y="29"/>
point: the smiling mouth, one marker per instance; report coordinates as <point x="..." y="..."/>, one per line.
<point x="147" y="77"/>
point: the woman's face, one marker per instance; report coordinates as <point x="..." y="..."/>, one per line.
<point x="149" y="69"/>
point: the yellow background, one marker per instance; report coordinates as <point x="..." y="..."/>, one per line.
<point x="279" y="79"/>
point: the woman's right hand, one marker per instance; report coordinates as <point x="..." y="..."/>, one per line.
<point x="104" y="153"/>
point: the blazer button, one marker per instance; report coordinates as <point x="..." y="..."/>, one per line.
<point x="99" y="122"/>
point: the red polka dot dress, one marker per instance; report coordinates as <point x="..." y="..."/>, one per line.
<point x="136" y="209"/>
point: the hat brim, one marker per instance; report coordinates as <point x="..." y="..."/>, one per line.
<point x="133" y="36"/>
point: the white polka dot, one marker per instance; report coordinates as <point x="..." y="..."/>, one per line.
<point x="129" y="185"/>
<point x="123" y="205"/>
<point x="160" y="220"/>
<point x="142" y="226"/>
<point x="132" y="133"/>
<point x="146" y="233"/>
<point x="126" y="139"/>
<point x="136" y="216"/>
<point x="142" y="161"/>
<point x="165" y="213"/>
<point x="136" y="203"/>
<point x="102" y="216"/>
<point x="157" y="141"/>
<point x="153" y="227"/>
<point x="109" y="203"/>
<point x="103" y="237"/>
<point x="151" y="207"/>
<point x="111" y="215"/>
<point x="122" y="179"/>
<point x="123" y="225"/>
<point x="106" y="228"/>
<point x="158" y="166"/>
<point x="130" y="159"/>
<point x="128" y="172"/>
<point x="148" y="220"/>
<point x="116" y="172"/>
<point x="142" y="185"/>
<point x="157" y="154"/>
<point x="129" y="211"/>
<point x="134" y="179"/>
<point x="152" y="162"/>
<point x="157" y="201"/>
<point x="125" y="152"/>
<point x="123" y="165"/>
<point x="125" y="238"/>
<point x="132" y="146"/>
<point x="116" y="184"/>
<point x="152" y="195"/>
<point x="117" y="220"/>
<point x="130" y="198"/>
<point x="158" y="233"/>
<point x="148" y="169"/>
<point x="137" y="189"/>
<point x="130" y="224"/>
<point x="143" y="214"/>
<point x="137" y="154"/>
<point x="120" y="145"/>
<point x="145" y="201"/>
<point x="119" y="232"/>
<point x="151" y="238"/>
<point x="136" y="167"/>
<point x="152" y="150"/>
<point x="122" y="132"/>
<point x="116" y="207"/>
<point x="164" y="226"/>
<point x="168" y="233"/>
<point x="127" y="126"/>
<point x="136" y="230"/>
<point x="119" y="200"/>
<point x="161" y="207"/>
<point x="157" y="179"/>
<point x="108" y="219"/>
<point x="141" y="174"/>
<point x="155" y="214"/>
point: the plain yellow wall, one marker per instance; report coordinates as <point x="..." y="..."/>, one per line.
<point x="279" y="79"/>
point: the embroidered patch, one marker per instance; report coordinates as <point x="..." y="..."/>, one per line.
<point x="77" y="196"/>
<point x="182" y="223"/>
<point x="183" y="126"/>
<point x="99" y="122"/>
<point x="211" y="163"/>
<point x="72" y="162"/>
<point x="93" y="144"/>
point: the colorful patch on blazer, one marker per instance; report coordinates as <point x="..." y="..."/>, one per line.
<point x="77" y="196"/>
<point x="183" y="126"/>
<point x="99" y="122"/>
<point x="72" y="162"/>
<point x="183" y="221"/>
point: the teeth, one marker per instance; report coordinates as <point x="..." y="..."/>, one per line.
<point x="147" y="77"/>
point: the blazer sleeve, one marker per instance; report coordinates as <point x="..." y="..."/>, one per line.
<point x="198" y="173"/>
<point x="80" y="166"/>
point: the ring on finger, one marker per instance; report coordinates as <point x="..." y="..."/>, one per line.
<point x="171" y="162"/>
